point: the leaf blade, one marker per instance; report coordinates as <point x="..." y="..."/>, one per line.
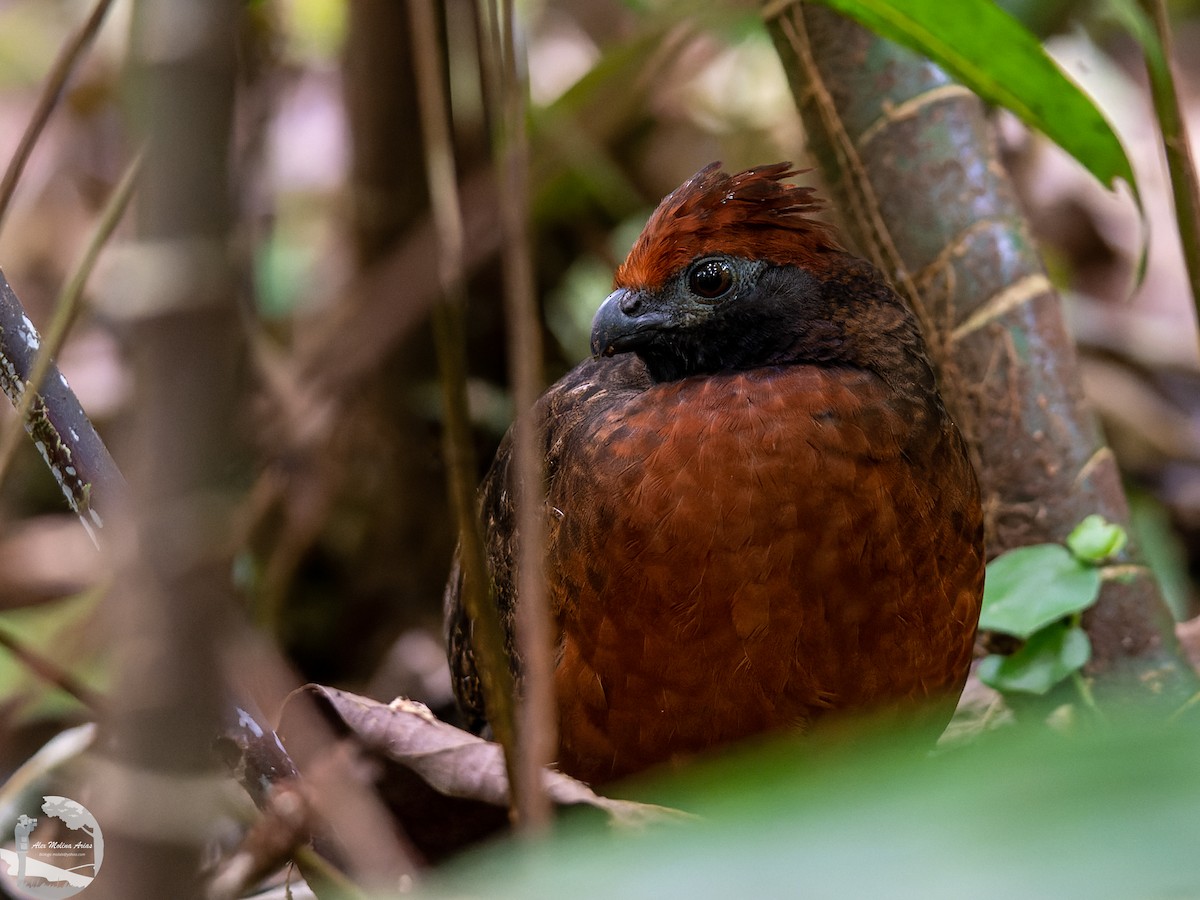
<point x="994" y="55"/>
<point x="1050" y="656"/>
<point x="1095" y="539"/>
<point x="1031" y="587"/>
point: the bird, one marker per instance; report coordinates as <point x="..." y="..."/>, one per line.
<point x="759" y="514"/>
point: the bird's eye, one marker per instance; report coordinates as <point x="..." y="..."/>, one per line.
<point x="710" y="278"/>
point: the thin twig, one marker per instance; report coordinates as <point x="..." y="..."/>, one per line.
<point x="1184" y="184"/>
<point x="450" y="341"/>
<point x="50" y="671"/>
<point x="1191" y="703"/>
<point x="68" y="58"/>
<point x="66" y="309"/>
<point x="536" y="737"/>
<point x="325" y="879"/>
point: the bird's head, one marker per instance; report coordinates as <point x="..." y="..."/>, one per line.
<point x="732" y="272"/>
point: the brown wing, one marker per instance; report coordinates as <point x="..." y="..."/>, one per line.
<point x="590" y="390"/>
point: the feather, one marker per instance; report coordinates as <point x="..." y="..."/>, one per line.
<point x="754" y="214"/>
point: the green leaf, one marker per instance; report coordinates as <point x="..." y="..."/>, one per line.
<point x="1047" y="658"/>
<point x="1095" y="539"/>
<point x="995" y="56"/>
<point x="1163" y="550"/>
<point x="1106" y="815"/>
<point x="1028" y="588"/>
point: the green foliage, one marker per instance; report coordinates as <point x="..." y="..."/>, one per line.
<point x="996" y="57"/>
<point x="1031" y="587"/>
<point x="317" y="28"/>
<point x="1023" y="812"/>
<point x="58" y="631"/>
<point x="282" y="268"/>
<point x="1049" y="656"/>
<point x="1038" y="594"/>
<point x="1163" y="551"/>
<point x="1095" y="539"/>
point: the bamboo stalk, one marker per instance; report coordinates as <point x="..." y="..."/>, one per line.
<point x="450" y="341"/>
<point x="927" y="202"/>
<point x="504" y="93"/>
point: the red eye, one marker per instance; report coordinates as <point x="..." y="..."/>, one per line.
<point x="710" y="278"/>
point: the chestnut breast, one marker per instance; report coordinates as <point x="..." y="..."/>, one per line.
<point x="744" y="551"/>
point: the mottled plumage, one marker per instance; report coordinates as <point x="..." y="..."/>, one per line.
<point x="760" y="513"/>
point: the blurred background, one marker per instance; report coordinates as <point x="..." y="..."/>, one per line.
<point x="345" y="535"/>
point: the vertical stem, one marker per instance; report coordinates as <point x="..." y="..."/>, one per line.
<point x="928" y="202"/>
<point x="158" y="780"/>
<point x="1180" y="162"/>
<point x="495" y="673"/>
<point x="536" y="713"/>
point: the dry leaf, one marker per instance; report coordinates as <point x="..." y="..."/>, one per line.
<point x="448" y="788"/>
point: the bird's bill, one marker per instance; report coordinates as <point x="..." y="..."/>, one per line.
<point x="626" y="319"/>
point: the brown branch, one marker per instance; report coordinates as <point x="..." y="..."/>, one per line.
<point x="347" y="822"/>
<point x="68" y="58"/>
<point x="1185" y="186"/>
<point x="450" y="339"/>
<point x="536" y="738"/>
<point x="51" y="672"/>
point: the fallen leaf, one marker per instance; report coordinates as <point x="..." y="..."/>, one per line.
<point x="448" y="788"/>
